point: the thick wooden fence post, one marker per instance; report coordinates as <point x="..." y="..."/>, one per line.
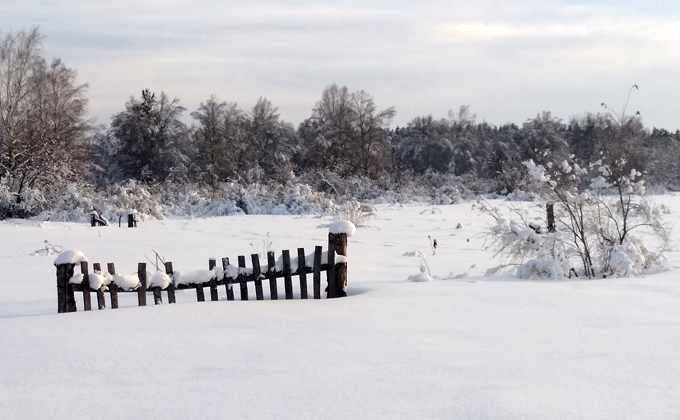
<point x="87" y="301"/>
<point x="550" y="208"/>
<point x="132" y="221"/>
<point x="171" y="286"/>
<point x="228" y="285"/>
<point x="337" y="273"/>
<point x="141" y="292"/>
<point x="113" y="287"/>
<point x="214" y="297"/>
<point x="302" y="272"/>
<point x="66" y="300"/>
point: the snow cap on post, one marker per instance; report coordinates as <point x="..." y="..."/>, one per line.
<point x="71" y="256"/>
<point x="342" y="226"/>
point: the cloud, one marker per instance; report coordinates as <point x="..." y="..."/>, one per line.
<point x="507" y="59"/>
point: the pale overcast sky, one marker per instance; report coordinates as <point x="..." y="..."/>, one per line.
<point x="508" y="60"/>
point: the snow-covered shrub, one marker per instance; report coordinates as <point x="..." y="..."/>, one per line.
<point x="28" y="203"/>
<point x="597" y="207"/>
<point x="353" y="211"/>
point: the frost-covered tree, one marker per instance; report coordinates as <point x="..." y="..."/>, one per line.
<point x="152" y="142"/>
<point x="43" y="130"/>
<point x="220" y="138"/>
<point x="270" y="142"/>
<point x="369" y="137"/>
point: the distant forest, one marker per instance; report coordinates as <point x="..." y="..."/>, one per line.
<point x="345" y="148"/>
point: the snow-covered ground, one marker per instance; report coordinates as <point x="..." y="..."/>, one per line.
<point x="463" y="346"/>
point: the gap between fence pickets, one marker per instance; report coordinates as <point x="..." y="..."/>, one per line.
<point x="285" y="267"/>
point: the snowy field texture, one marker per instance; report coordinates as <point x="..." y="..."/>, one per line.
<point x="463" y="346"/>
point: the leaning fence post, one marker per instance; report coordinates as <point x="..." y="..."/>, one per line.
<point x="337" y="275"/>
<point x="141" y="292"/>
<point x="550" y="208"/>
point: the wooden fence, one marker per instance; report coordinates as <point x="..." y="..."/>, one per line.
<point x="336" y="277"/>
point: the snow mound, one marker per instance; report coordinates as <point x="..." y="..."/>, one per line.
<point x="342" y="226"/>
<point x="194" y="277"/>
<point x="160" y="279"/>
<point x="540" y="269"/>
<point x="420" y="277"/>
<point x="97" y="280"/>
<point x="71" y="256"/>
<point x="126" y="282"/>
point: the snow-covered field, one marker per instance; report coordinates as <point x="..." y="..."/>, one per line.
<point x="461" y="347"/>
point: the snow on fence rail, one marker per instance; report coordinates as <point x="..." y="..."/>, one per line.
<point x="333" y="263"/>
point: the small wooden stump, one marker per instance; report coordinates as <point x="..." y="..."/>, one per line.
<point x="132" y="220"/>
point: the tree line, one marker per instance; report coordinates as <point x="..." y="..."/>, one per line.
<point x="47" y="141"/>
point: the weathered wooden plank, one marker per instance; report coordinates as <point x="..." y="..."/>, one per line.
<point x="259" y="293"/>
<point x="330" y="273"/>
<point x="171" y="288"/>
<point x="113" y="289"/>
<point x="213" y="283"/>
<point x="302" y="272"/>
<point x="317" y="272"/>
<point x="287" y="275"/>
<point x="227" y="282"/>
<point x="242" y="277"/>
<point x="70" y="296"/>
<point x="87" y="300"/>
<point x="61" y="289"/>
<point x="141" y="292"/>
<point x="337" y="244"/>
<point x="271" y="275"/>
<point x="101" y="300"/>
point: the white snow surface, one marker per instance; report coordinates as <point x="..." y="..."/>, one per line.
<point x="342" y="226"/>
<point x="71" y="256"/>
<point x="470" y="347"/>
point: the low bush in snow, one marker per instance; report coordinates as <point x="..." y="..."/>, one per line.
<point x="598" y="209"/>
